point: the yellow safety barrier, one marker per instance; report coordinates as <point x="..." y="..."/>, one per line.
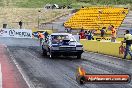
<point x="119" y="39"/>
<point x="89" y="45"/>
<point x="108" y="48"/>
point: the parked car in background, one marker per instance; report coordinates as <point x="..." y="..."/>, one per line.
<point x="51" y="6"/>
<point x="48" y="6"/>
<point x="56" y="6"/>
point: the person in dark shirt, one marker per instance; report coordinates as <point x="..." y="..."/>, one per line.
<point x="90" y="35"/>
<point x="102" y="31"/>
<point x="20" y="24"/>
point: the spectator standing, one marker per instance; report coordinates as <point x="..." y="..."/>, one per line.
<point x="41" y="37"/>
<point x="46" y="35"/>
<point x="70" y="30"/>
<point x="128" y="41"/>
<point x="89" y="35"/>
<point x="77" y="37"/>
<point x="113" y="36"/>
<point x="66" y="29"/>
<point x="82" y="34"/>
<point x="20" y="24"/>
<point x="5" y="23"/>
<point x="103" y="31"/>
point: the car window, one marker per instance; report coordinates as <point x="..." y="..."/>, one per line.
<point x="59" y="38"/>
<point x="72" y="39"/>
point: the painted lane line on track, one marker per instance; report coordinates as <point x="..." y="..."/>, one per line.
<point x="27" y="80"/>
<point x="0" y="77"/>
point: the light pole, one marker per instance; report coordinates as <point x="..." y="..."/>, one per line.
<point x="38" y="18"/>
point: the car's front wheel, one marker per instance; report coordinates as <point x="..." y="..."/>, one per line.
<point x="44" y="52"/>
<point x="79" y="56"/>
<point x="51" y="55"/>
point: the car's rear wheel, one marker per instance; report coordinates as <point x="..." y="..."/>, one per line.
<point x="79" y="56"/>
<point x="44" y="52"/>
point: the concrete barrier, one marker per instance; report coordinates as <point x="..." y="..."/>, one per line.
<point x="101" y="38"/>
<point x="106" y="38"/>
<point x="104" y="47"/>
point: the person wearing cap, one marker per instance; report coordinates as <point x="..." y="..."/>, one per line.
<point x="128" y="41"/>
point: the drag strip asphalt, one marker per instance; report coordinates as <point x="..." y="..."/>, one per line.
<point x="60" y="72"/>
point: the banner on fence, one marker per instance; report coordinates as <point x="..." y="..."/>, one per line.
<point x="16" y="33"/>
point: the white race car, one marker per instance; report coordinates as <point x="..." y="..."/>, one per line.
<point x="64" y="44"/>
